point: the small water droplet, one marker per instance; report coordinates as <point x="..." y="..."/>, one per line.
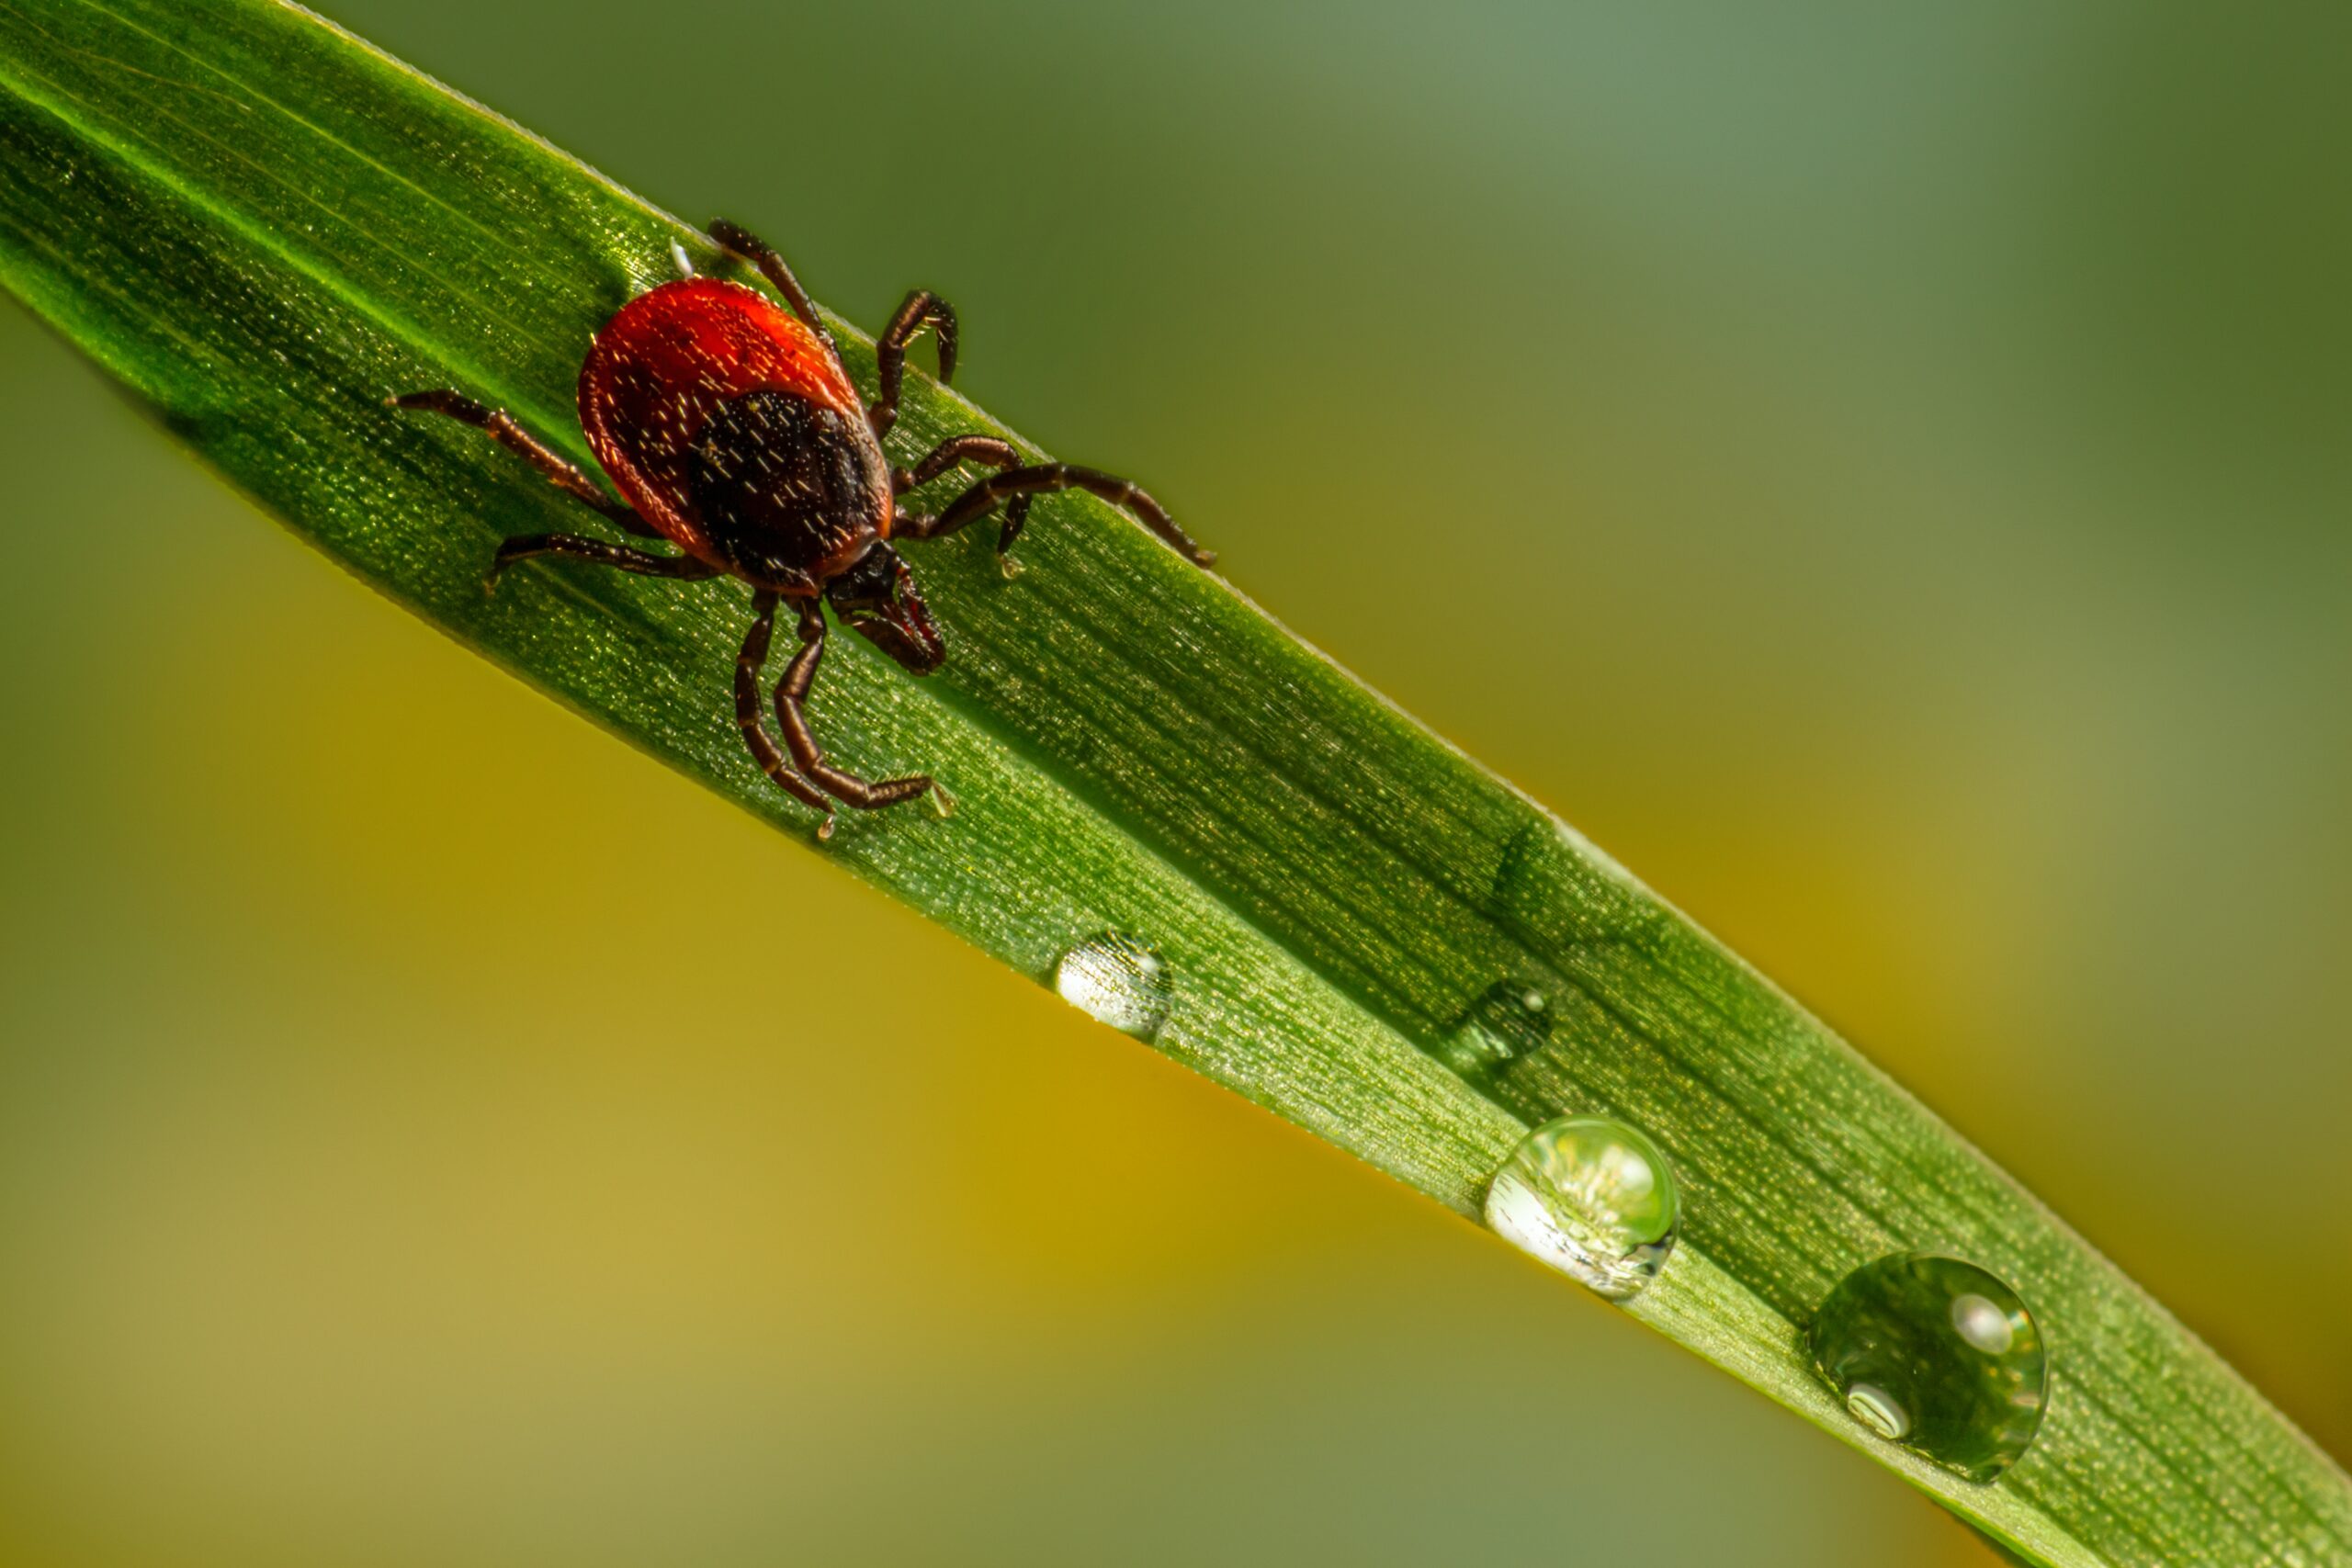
<point x="1937" y="1355"/>
<point x="1119" y="981"/>
<point x="1508" y="1021"/>
<point x="1591" y="1197"/>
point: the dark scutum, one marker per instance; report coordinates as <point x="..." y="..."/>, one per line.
<point x="782" y="484"/>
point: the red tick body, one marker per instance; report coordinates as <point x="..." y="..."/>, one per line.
<point x="681" y="356"/>
<point x="732" y="429"/>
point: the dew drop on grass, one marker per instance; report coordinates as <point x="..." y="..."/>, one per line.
<point x="1117" y="980"/>
<point x="1511" y="1019"/>
<point x="1937" y="1355"/>
<point x="1591" y="1197"/>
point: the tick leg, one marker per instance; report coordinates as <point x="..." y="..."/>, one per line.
<point x="759" y="253"/>
<point x="1019" y="484"/>
<point x="765" y="751"/>
<point x="523" y="547"/>
<point x="508" y="431"/>
<point x="791" y="693"/>
<point x="923" y="308"/>
<point x="947" y="454"/>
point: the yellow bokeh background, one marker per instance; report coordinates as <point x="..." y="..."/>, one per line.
<point x="1882" y="477"/>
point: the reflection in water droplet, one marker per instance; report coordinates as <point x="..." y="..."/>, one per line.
<point x="1983" y="1325"/>
<point x="1937" y="1355"/>
<point x="1874" y="1408"/>
<point x="1511" y="1019"/>
<point x="1119" y="981"/>
<point x="1591" y="1197"/>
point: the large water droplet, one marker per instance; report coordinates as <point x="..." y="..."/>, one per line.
<point x="1119" y="981"/>
<point x="1936" y="1354"/>
<point x="1511" y="1019"/>
<point x="1591" y="1197"/>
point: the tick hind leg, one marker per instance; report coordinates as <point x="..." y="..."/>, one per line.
<point x="1019" y="485"/>
<point x="523" y="547"/>
<point x="791" y="714"/>
<point x="508" y="431"/>
<point x="920" y="309"/>
<point x="737" y="242"/>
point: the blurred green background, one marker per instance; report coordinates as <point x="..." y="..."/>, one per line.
<point x="1888" y="479"/>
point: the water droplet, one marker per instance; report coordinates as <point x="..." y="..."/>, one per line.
<point x="1118" y="981"/>
<point x="1937" y="1355"/>
<point x="1591" y="1197"/>
<point x="1511" y="1019"/>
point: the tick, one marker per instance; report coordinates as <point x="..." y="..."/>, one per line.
<point x="731" y="430"/>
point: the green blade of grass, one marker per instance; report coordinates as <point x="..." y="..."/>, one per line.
<point x="265" y="227"/>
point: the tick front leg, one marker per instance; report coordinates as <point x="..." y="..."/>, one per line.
<point x="920" y="309"/>
<point x="1019" y="484"/>
<point x="791" y="714"/>
<point x="523" y="547"/>
<point x="765" y="751"/>
<point x="508" y="431"/>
